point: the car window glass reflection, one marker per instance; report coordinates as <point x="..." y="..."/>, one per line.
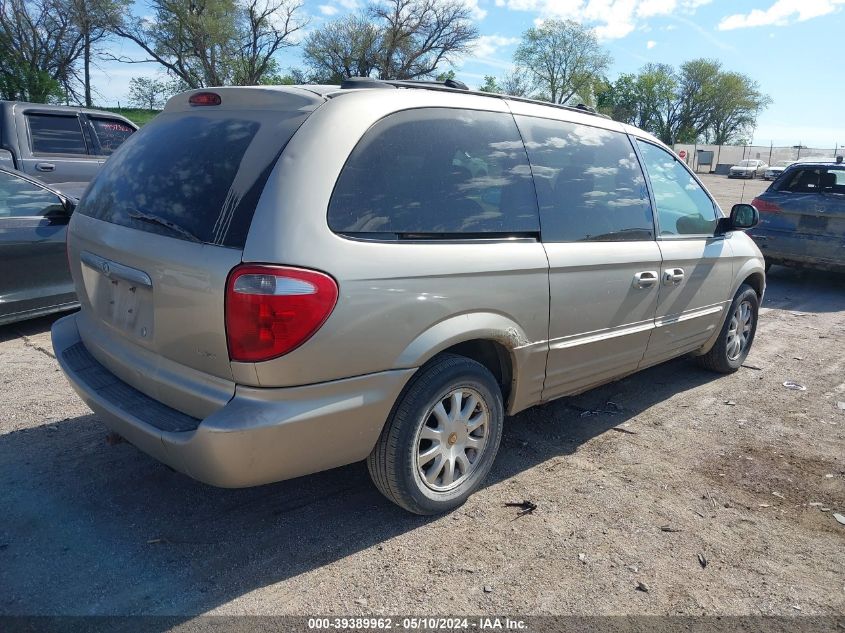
<point x="683" y="208"/>
<point x="589" y="182"/>
<point x="21" y="198"/>
<point x="437" y="171"/>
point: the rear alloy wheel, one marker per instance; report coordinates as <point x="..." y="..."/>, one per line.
<point x="442" y="437"/>
<point x="737" y="335"/>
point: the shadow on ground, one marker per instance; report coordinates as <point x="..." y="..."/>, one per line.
<point x="89" y="528"/>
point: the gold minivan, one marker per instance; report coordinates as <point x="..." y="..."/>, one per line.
<point x="276" y="281"/>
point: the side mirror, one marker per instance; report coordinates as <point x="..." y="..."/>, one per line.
<point x="743" y="216"/>
<point x="60" y="213"/>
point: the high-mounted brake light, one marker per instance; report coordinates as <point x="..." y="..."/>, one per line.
<point x="272" y="310"/>
<point x="205" y="99"/>
<point x="764" y="206"/>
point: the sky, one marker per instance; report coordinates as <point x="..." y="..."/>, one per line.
<point x="793" y="48"/>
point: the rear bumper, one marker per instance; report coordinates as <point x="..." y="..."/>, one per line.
<point x="259" y="436"/>
<point x="815" y="251"/>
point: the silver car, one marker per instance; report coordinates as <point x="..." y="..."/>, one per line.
<point x="748" y="169"/>
<point x="276" y="281"/>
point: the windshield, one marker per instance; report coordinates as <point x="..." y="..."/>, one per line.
<point x="747" y="163"/>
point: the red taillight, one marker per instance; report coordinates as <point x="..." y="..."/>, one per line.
<point x="272" y="310"/>
<point x="205" y="99"/>
<point x="764" y="206"/>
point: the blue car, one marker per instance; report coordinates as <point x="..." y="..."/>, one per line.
<point x="802" y="217"/>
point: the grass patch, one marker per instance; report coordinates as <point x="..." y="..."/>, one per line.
<point x="138" y="116"/>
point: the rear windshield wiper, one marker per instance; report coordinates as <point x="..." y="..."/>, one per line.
<point x="154" y="219"/>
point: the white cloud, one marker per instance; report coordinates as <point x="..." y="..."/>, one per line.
<point x="780" y="13"/>
<point x="348" y="4"/>
<point x="487" y="45"/>
<point x="650" y="44"/>
<point x="327" y="9"/>
<point x="611" y="19"/>
<point x="477" y="12"/>
<point x="648" y="8"/>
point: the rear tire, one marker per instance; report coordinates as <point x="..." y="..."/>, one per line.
<point x="441" y="438"/>
<point x="737" y="335"/>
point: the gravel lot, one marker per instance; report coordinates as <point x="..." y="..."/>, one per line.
<point x="737" y="469"/>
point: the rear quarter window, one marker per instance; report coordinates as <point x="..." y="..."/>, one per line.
<point x="110" y="133"/>
<point x="436" y="172"/>
<point x="199" y="174"/>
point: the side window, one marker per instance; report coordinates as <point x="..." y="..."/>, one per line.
<point x="110" y="133"/>
<point x="436" y="171"/>
<point x="683" y="207"/>
<point x="53" y="134"/>
<point x="20" y="198"/>
<point x="589" y="182"/>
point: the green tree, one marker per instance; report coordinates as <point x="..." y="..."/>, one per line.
<point x="490" y="84"/>
<point x="737" y="103"/>
<point x="214" y="42"/>
<point x="40" y="45"/>
<point x="148" y="92"/>
<point x="563" y="59"/>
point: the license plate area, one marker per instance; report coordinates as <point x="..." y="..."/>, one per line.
<point x="119" y="295"/>
<point x="813" y="223"/>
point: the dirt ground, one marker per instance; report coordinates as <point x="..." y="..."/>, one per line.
<point x="736" y="469"/>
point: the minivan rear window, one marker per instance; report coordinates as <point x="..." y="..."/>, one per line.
<point x="436" y="172"/>
<point x="196" y="177"/>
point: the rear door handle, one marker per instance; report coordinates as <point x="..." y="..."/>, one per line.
<point x="673" y="276"/>
<point x="45" y="166"/>
<point x="645" y="279"/>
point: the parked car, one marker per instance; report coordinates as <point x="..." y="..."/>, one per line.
<point x="802" y="217"/>
<point x="748" y="169"/>
<point x="773" y="171"/>
<point x="58" y="143"/>
<point x="34" y="276"/>
<point x="276" y="281"/>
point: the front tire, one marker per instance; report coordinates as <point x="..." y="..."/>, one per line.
<point x="737" y="335"/>
<point x="442" y="437"/>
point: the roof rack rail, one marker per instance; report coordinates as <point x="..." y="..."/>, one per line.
<point x="453" y="85"/>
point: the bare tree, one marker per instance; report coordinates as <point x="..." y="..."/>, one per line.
<point x="563" y="59"/>
<point x="347" y="47"/>
<point x="516" y="83"/>
<point x="419" y="35"/>
<point x="395" y="39"/>
<point x="265" y="28"/>
<point x="94" y="19"/>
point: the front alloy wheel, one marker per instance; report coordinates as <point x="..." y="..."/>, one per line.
<point x="737" y="334"/>
<point x="739" y="330"/>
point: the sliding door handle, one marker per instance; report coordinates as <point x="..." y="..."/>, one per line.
<point x="645" y="279"/>
<point x="673" y="276"/>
